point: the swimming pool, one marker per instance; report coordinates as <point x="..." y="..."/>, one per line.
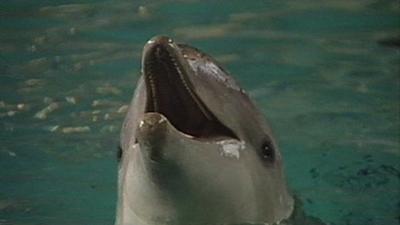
<point x="326" y="75"/>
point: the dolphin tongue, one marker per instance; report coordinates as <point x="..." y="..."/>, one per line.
<point x="170" y="92"/>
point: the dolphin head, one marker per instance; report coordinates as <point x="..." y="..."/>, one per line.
<point x="195" y="148"/>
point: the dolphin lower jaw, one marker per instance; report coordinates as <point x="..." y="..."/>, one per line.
<point x="171" y="93"/>
<point x="152" y="130"/>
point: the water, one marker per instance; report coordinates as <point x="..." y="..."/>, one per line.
<point x="316" y="69"/>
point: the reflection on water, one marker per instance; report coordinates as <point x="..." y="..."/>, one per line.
<point x="323" y="73"/>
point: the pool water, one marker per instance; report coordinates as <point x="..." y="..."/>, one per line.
<point x="325" y="73"/>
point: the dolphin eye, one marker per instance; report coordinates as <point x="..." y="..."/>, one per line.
<point x="267" y="151"/>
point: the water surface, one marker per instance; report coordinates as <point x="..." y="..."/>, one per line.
<point x="316" y="69"/>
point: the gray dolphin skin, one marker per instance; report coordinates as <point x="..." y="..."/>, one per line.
<point x="195" y="149"/>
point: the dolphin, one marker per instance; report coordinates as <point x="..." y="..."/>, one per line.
<point x="195" y="149"/>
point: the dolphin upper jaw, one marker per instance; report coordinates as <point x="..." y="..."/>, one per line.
<point x="170" y="92"/>
<point x="163" y="52"/>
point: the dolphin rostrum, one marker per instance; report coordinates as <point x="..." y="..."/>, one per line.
<point x="195" y="149"/>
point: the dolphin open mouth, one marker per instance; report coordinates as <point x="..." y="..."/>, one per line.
<point x="170" y="91"/>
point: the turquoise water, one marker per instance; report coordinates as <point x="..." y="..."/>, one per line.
<point x="315" y="68"/>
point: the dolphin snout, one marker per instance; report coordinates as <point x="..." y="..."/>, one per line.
<point x="159" y="40"/>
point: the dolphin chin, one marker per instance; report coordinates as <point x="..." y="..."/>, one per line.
<point x="195" y="149"/>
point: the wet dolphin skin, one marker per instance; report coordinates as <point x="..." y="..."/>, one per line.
<point x="195" y="149"/>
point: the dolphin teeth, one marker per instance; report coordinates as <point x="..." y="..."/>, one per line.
<point x="171" y="93"/>
<point x="185" y="84"/>
<point x="153" y="91"/>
